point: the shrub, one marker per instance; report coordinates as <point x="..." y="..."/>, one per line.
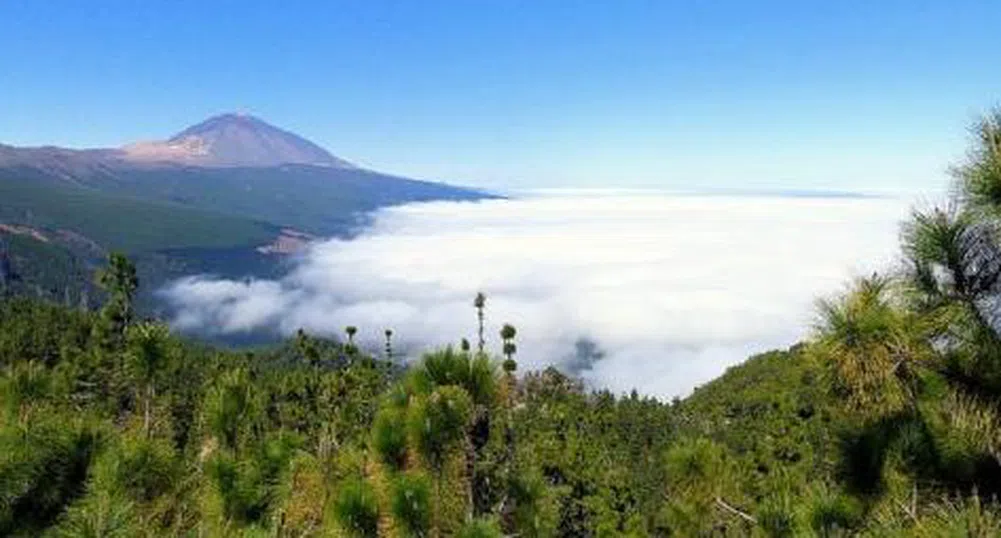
<point x="776" y="517"/>
<point x="439" y="421"/>
<point x="830" y="512"/>
<point x="966" y="437"/>
<point x="356" y="508"/>
<point x="477" y="375"/>
<point x="481" y="528"/>
<point x="389" y="437"/>
<point x="143" y="468"/>
<point x="411" y="503"/>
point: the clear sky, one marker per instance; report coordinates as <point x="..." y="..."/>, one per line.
<point x="538" y="93"/>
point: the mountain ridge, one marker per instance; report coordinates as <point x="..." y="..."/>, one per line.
<point x="230" y="146"/>
<point x="224" y="140"/>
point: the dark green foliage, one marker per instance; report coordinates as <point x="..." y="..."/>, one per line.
<point x="119" y="277"/>
<point x="962" y="436"/>
<point x="246" y="484"/>
<point x="389" y="344"/>
<point x="142" y="468"/>
<point x="238" y="484"/>
<point x="43" y="469"/>
<point x="773" y="414"/>
<point x="831" y="513"/>
<point x="25" y="384"/>
<point x="44" y="269"/>
<point x="438" y="422"/>
<point x="507" y="334"/>
<point x="695" y="464"/>
<point x="480" y="303"/>
<point x="148" y="351"/>
<point x="979" y="177"/>
<point x="104" y="514"/>
<point x="126" y="224"/>
<point x="231" y="408"/>
<point x="119" y="281"/>
<point x="389" y="437"/>
<point x="586" y="447"/>
<point x="481" y="528"/>
<point x="533" y="513"/>
<point x="357" y="509"/>
<point x="776" y="517"/>
<point x="411" y="503"/>
<point x="970" y="517"/>
<point x="37" y="331"/>
<point x="224" y="428"/>
<point x="477" y="375"/>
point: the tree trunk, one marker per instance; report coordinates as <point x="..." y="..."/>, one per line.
<point x="471" y="478"/>
<point x="482" y="342"/>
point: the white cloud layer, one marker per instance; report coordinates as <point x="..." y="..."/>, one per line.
<point x="672" y="289"/>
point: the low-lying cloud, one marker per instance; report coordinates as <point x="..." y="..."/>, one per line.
<point x="654" y="292"/>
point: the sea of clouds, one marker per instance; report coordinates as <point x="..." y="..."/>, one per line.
<point x="648" y="291"/>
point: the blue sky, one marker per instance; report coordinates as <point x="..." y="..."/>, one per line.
<point x="505" y="93"/>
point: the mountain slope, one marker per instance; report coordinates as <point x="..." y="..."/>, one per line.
<point x="318" y="200"/>
<point x="122" y="223"/>
<point x="41" y="266"/>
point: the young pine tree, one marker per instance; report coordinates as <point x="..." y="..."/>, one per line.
<point x="480" y="303"/>
<point x="411" y="503"/>
<point x="389" y="344"/>
<point x="351" y="331"/>
<point x="507" y="333"/>
<point x="148" y="351"/>
<point x="357" y="508"/>
<point x="120" y="282"/>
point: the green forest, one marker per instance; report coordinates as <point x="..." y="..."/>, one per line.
<point x="882" y="422"/>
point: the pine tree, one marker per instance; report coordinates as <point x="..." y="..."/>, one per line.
<point x="480" y="302"/>
<point x="148" y="352"/>
<point x="507" y="334"/>
<point x="389" y="344"/>
<point x="351" y="330"/>
<point x="120" y="282"/>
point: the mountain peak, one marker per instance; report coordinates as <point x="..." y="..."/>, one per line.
<point x="234" y="139"/>
<point x="228" y="120"/>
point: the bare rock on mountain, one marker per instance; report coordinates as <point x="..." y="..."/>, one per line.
<point x="290" y="241"/>
<point x="233" y="140"/>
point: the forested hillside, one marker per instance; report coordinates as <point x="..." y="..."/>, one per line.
<point x="883" y="422"/>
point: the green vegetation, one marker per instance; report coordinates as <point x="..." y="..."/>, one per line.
<point x="34" y="268"/>
<point x="885" y="422"/>
<point x="75" y="226"/>
<point x="127" y="224"/>
<point x="319" y="200"/>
